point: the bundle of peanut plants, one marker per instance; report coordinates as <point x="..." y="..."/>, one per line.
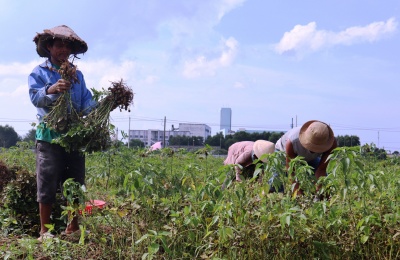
<point x="92" y="132"/>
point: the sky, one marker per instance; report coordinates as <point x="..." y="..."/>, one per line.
<point x="271" y="62"/>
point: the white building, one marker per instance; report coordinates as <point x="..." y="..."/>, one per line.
<point x="151" y="136"/>
<point x="201" y="130"/>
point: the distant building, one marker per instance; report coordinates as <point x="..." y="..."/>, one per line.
<point x="151" y="136"/>
<point x="226" y="120"/>
<point x="201" y="130"/>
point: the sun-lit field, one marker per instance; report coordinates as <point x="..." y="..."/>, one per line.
<point x="169" y="204"/>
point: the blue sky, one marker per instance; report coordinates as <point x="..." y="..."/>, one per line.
<point x="270" y="61"/>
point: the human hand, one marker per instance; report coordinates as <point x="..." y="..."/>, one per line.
<point x="60" y="86"/>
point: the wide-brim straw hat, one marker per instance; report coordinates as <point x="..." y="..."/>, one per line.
<point x="62" y="32"/>
<point x="316" y="136"/>
<point x="261" y="147"/>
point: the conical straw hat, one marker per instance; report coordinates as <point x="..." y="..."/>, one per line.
<point x="62" y="32"/>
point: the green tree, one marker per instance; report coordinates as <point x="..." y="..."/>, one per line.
<point x="216" y="140"/>
<point x="242" y="136"/>
<point x="228" y="140"/>
<point x="136" y="143"/>
<point x="262" y="136"/>
<point x="275" y="136"/>
<point x="30" y="136"/>
<point x="370" y="150"/>
<point x="186" y="140"/>
<point x="348" y="140"/>
<point x="8" y="136"/>
<point x="179" y="140"/>
<point x="198" y="141"/>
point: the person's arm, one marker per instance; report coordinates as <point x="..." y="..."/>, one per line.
<point x="244" y="159"/>
<point x="42" y="91"/>
<point x="321" y="170"/>
<point x="238" y="171"/>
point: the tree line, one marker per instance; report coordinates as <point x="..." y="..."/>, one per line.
<point x="9" y="138"/>
<point x="223" y="142"/>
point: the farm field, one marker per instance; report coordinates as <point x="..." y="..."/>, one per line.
<point x="168" y="204"/>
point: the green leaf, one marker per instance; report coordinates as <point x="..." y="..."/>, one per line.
<point x="291" y="232"/>
<point x="214" y="220"/>
<point x="186" y="210"/>
<point x="142" y="238"/>
<point x="207" y="234"/>
<point x="153" y="248"/>
<point x="164" y="233"/>
<point x="345" y="164"/>
<point x="364" y="239"/>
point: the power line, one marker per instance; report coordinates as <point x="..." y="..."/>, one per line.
<point x="274" y="126"/>
<point x="280" y="127"/>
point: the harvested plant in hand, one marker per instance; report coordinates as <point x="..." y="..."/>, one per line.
<point x="59" y="117"/>
<point x="93" y="132"/>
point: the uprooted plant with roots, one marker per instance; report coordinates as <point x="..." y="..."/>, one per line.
<point x="92" y="132"/>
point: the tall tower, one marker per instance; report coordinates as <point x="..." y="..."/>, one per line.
<point x="226" y="120"/>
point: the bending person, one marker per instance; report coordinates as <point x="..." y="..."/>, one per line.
<point x="242" y="154"/>
<point x="314" y="141"/>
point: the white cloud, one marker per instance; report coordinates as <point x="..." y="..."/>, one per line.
<point x="99" y="73"/>
<point x="20" y="91"/>
<point x="194" y="24"/>
<point x="202" y="66"/>
<point x="227" y="5"/>
<point x="306" y="38"/>
<point x="150" y="79"/>
<point x="239" y="85"/>
<point x="17" y="68"/>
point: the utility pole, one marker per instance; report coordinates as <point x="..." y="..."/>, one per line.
<point x="291" y="125"/>
<point x="378" y="139"/>
<point x="165" y="121"/>
<point x="129" y="131"/>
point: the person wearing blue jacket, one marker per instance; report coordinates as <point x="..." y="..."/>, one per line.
<point x="54" y="164"/>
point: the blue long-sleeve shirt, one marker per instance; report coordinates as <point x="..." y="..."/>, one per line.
<point x="45" y="75"/>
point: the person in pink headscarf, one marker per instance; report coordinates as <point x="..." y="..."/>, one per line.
<point x="242" y="154"/>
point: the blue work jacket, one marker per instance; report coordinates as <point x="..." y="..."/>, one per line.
<point x="45" y="75"/>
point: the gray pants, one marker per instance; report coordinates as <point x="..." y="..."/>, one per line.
<point x="53" y="166"/>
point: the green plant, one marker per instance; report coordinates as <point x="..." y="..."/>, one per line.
<point x="169" y="205"/>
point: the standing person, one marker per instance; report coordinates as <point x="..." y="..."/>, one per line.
<point x="243" y="154"/>
<point x="314" y="141"/>
<point x="53" y="163"/>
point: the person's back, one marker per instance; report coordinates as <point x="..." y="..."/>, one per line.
<point x="293" y="136"/>
<point x="242" y="154"/>
<point x="313" y="141"/>
<point x="239" y="153"/>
